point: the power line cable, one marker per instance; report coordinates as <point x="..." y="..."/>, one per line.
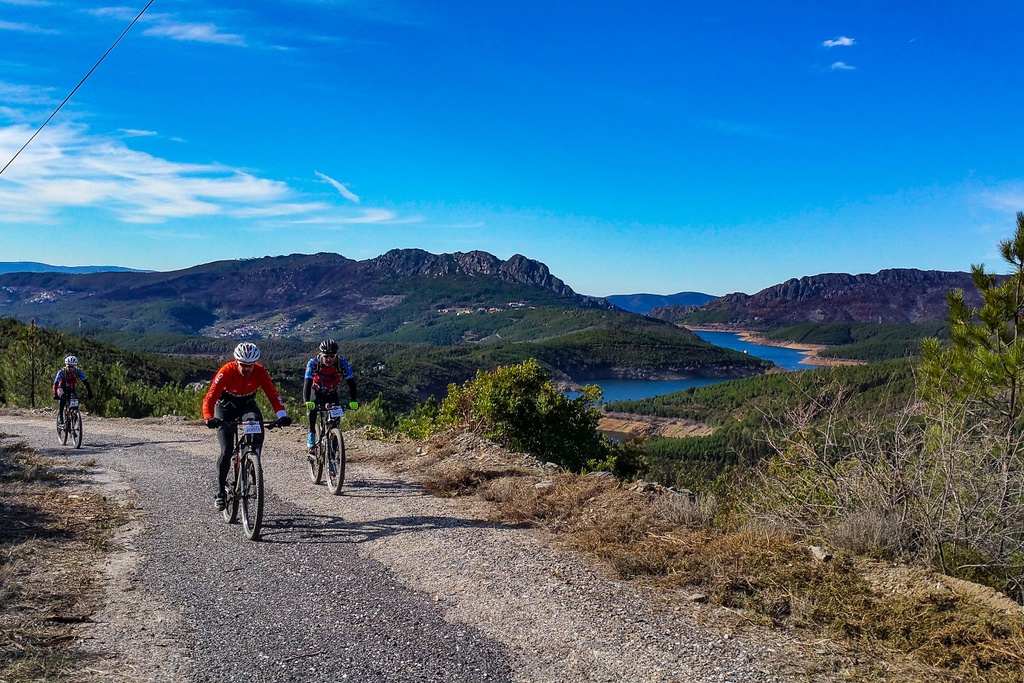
<point x="76" y="87"/>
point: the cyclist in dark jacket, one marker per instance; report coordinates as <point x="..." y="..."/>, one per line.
<point x="323" y="375"/>
<point x="64" y="385"/>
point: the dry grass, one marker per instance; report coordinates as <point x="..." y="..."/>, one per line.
<point x="891" y="621"/>
<point x="51" y="535"/>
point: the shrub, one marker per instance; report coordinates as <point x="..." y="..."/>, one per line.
<point x="518" y="407"/>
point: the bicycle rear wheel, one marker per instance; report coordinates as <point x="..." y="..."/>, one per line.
<point x="75" y="427"/>
<point x="335" y="460"/>
<point x="252" y="496"/>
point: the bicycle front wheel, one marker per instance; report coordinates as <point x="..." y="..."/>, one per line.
<point x="252" y="496"/>
<point x="335" y="461"/>
<point x="230" y="511"/>
<point x="315" y="459"/>
<point x="75" y="427"/>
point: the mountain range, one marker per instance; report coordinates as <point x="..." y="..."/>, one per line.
<point x="301" y="296"/>
<point x="35" y="267"/>
<point x="297" y="295"/>
<point x="898" y="295"/>
<point x="644" y="303"/>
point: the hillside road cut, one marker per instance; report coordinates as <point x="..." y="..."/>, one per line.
<point x="382" y="583"/>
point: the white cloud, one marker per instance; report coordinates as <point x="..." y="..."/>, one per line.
<point x="134" y="133"/>
<point x="841" y="41"/>
<point x="345" y="192"/>
<point x="193" y="32"/>
<point x="68" y="169"/>
<point x="842" y="66"/>
<point x="1007" y="197"/>
<point x="65" y="168"/>
<point x="167" y="26"/>
<point x="363" y="217"/>
<point x="25" y="28"/>
<point x="11" y="93"/>
<point x="119" y="13"/>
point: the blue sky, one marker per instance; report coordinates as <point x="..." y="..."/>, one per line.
<point x="632" y="147"/>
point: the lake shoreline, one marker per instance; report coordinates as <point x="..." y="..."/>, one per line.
<point x="753" y="337"/>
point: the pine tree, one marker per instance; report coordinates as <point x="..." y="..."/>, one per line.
<point x="28" y="365"/>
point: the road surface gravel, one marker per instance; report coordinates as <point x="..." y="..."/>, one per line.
<point x="382" y="583"/>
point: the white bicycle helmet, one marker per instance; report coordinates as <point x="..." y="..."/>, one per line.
<point x="72" y="360"/>
<point x="246" y="352"/>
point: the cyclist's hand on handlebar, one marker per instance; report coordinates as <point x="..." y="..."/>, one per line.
<point x="214" y="422"/>
<point x="55" y="397"/>
<point x="284" y="421"/>
<point x="353" y="405"/>
<point x="310" y="405"/>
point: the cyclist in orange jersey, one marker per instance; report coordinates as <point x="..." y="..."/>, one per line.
<point x="231" y="398"/>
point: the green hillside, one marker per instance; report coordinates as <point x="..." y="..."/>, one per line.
<point x="741" y="410"/>
<point x="863" y="341"/>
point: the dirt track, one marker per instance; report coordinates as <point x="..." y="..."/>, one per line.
<point x="383" y="583"/>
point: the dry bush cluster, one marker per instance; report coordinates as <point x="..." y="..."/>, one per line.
<point x="51" y="534"/>
<point x="943" y="490"/>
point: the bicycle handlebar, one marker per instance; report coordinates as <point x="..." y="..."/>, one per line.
<point x="272" y="424"/>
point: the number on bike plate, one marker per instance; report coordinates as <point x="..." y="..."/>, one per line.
<point x="73" y="402"/>
<point x="337" y="412"/>
<point x="251" y="428"/>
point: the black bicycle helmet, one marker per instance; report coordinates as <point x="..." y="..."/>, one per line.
<point x="328" y="346"/>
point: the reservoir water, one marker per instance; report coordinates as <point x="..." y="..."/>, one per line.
<point x="632" y="389"/>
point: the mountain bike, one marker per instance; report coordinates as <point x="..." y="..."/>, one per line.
<point x="69" y="422"/>
<point x="245" y="478"/>
<point x="329" y="450"/>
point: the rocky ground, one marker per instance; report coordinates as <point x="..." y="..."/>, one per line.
<point x="383" y="583"/>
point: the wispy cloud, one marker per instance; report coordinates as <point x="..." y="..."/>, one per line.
<point x="25" y="28"/>
<point x="67" y="168"/>
<point x="134" y="133"/>
<point x="199" y="33"/>
<point x="841" y="41"/>
<point x="168" y="26"/>
<point x="363" y="217"/>
<point x="344" y="191"/>
<point x="842" y="66"/>
<point x="12" y="94"/>
<point x="1008" y="197"/>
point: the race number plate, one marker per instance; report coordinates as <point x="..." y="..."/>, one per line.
<point x="252" y="428"/>
<point x="337" y="412"/>
<point x="73" y="402"/>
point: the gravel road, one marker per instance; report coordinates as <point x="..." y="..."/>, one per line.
<point x="383" y="583"/>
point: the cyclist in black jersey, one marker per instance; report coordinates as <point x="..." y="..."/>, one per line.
<point x="324" y="374"/>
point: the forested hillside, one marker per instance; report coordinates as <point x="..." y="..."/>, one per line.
<point x="899" y="295"/>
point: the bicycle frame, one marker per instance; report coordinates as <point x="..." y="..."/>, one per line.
<point x="245" y="487"/>
<point x="329" y="449"/>
<point x="70" y="420"/>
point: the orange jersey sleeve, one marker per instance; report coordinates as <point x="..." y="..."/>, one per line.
<point x="268" y="387"/>
<point x="229" y="381"/>
<point x="220" y="380"/>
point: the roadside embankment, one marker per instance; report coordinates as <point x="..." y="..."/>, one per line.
<point x="630" y="424"/>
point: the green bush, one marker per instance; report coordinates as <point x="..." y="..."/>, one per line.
<point x="376" y="413"/>
<point x="519" y="407"/>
